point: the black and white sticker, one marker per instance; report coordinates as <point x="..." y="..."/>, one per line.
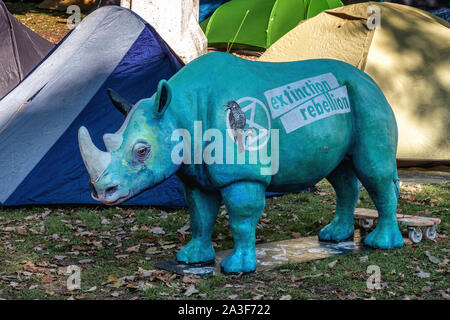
<point x="305" y="101"/>
<point x="296" y="104"/>
<point x="322" y="106"/>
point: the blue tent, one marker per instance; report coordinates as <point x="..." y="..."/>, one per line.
<point x="40" y="162"/>
<point x="207" y="7"/>
<point x="442" y="13"/>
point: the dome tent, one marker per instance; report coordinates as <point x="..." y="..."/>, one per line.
<point x="407" y="55"/>
<point x="21" y="50"/>
<point x="207" y="7"/>
<point x="314" y="7"/>
<point x="256" y="24"/>
<point x="442" y="13"/>
<point x="40" y="162"/>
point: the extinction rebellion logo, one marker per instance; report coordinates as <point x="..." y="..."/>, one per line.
<point x="257" y="123"/>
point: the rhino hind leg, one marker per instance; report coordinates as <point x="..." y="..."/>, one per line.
<point x="346" y="186"/>
<point x="203" y="207"/>
<point x="378" y="175"/>
<point x="245" y="202"/>
<point x="373" y="156"/>
<point x="386" y="234"/>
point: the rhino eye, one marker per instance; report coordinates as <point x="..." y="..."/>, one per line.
<point x="142" y="152"/>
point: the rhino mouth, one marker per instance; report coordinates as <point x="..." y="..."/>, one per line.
<point x="118" y="200"/>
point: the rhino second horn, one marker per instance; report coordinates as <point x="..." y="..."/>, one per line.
<point x="95" y="160"/>
<point x="120" y="103"/>
<point x="112" y="141"/>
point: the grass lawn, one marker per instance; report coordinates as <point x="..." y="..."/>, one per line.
<point x="117" y="248"/>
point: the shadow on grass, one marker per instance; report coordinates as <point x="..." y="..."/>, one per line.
<point x="22" y="8"/>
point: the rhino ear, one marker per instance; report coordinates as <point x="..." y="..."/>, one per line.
<point x="162" y="98"/>
<point x="120" y="103"/>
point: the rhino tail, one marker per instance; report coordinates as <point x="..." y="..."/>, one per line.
<point x="396" y="183"/>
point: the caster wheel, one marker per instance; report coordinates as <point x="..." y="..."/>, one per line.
<point x="431" y="232"/>
<point x="415" y="235"/>
<point x="366" y="223"/>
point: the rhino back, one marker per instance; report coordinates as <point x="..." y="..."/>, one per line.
<point x="314" y="104"/>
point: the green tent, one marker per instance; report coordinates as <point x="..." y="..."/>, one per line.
<point x="256" y="24"/>
<point x="317" y="6"/>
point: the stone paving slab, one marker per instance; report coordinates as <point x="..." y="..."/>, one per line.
<point x="409" y="177"/>
<point x="274" y="254"/>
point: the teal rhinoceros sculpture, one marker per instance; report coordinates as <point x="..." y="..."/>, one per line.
<point x="319" y="118"/>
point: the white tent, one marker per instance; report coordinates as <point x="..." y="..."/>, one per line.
<point x="177" y="23"/>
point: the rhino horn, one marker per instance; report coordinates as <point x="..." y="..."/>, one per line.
<point x="112" y="141"/>
<point x="120" y="103"/>
<point x="95" y="160"/>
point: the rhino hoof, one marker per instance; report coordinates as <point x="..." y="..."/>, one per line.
<point x="337" y="231"/>
<point x="196" y="252"/>
<point x="239" y="261"/>
<point x="384" y="237"/>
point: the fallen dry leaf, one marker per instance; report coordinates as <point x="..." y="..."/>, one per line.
<point x="134" y="248"/>
<point x="332" y="263"/>
<point x="183" y="230"/>
<point x="190" y="291"/>
<point x="148" y="239"/>
<point x="299" y="278"/>
<point x="192" y="278"/>
<point x="162" y="275"/>
<point x="423" y="274"/>
<point x="47" y="279"/>
<point x="21" y="231"/>
<point x="426" y="289"/>
<point x="115" y="294"/>
<point x="432" y="259"/>
<point x="157" y="230"/>
<point x="85" y="261"/>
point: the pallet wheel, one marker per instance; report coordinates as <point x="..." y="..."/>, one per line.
<point x="415" y="234"/>
<point x="431" y="232"/>
<point x="366" y="223"/>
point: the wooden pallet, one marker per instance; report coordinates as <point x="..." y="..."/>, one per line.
<point x="413" y="223"/>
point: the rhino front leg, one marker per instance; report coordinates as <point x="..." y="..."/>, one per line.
<point x="203" y="207"/>
<point x="347" y="188"/>
<point x="245" y="202"/>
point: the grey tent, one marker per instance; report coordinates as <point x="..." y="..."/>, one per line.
<point x="40" y="162"/>
<point x="20" y="50"/>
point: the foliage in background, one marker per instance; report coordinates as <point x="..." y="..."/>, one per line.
<point x="47" y="23"/>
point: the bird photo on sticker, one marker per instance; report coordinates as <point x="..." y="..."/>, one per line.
<point x="237" y="121"/>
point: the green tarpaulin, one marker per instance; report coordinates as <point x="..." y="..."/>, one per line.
<point x="256" y="24"/>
